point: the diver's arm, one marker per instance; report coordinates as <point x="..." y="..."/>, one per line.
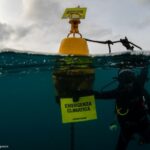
<point x="106" y="95"/>
<point x="98" y="95"/>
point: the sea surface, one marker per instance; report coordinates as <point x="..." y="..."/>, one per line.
<point x="30" y="118"/>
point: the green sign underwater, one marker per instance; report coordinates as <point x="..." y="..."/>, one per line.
<point x="83" y="110"/>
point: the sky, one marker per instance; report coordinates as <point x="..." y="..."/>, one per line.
<point x="36" y="25"/>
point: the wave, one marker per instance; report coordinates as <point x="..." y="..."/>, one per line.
<point x="18" y="61"/>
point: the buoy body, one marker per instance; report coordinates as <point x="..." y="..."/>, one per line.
<point x="74" y="73"/>
<point x="74" y="46"/>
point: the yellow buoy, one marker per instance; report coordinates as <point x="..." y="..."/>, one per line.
<point x="74" y="46"/>
<point x="74" y="73"/>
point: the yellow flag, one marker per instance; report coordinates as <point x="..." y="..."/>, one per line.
<point x="83" y="110"/>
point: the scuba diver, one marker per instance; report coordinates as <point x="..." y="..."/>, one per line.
<point x="132" y="102"/>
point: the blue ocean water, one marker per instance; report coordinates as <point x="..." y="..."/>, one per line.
<point x="30" y="118"/>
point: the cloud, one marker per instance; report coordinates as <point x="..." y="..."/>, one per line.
<point x="45" y="17"/>
<point x="98" y="32"/>
<point x="40" y="25"/>
<point x="21" y="32"/>
<point x="8" y="32"/>
<point x="143" y="1"/>
<point x="143" y="24"/>
<point x="45" y="11"/>
<point x="5" y="32"/>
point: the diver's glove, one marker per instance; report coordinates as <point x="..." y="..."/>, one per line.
<point x="81" y="93"/>
<point x="113" y="126"/>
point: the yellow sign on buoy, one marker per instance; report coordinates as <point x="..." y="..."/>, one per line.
<point x="83" y="110"/>
<point x="74" y="13"/>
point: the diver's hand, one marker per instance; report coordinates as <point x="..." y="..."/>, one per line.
<point x="81" y="93"/>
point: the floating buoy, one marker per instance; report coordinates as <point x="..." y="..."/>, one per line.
<point x="74" y="46"/>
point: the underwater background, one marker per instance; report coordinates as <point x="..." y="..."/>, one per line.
<point x="30" y="118"/>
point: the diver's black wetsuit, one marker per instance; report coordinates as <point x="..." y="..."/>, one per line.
<point x="131" y="110"/>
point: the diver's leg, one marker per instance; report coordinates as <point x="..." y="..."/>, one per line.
<point x="145" y="132"/>
<point x="124" y="138"/>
